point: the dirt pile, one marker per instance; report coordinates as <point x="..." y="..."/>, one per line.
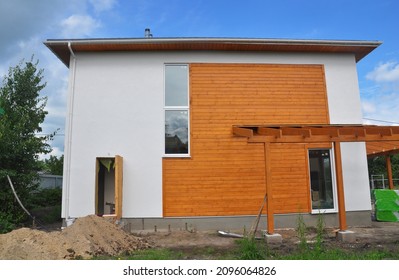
<point x="87" y="237"/>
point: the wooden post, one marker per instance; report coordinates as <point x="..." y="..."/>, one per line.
<point x="340" y="186"/>
<point x="118" y="186"/>
<point x="269" y="206"/>
<point x="389" y="171"/>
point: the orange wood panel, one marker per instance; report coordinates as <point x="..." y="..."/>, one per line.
<point x="226" y="175"/>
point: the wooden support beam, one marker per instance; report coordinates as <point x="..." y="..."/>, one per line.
<point x="293" y="131"/>
<point x="379" y="131"/>
<point x="269" y="191"/>
<point x="276" y="132"/>
<point x="389" y="171"/>
<point x="240" y="131"/>
<point x="395" y="129"/>
<point x="340" y="186"/>
<point x="352" y="131"/>
<point x="317" y="133"/>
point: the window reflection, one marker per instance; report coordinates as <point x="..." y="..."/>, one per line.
<point x="176" y="132"/>
<point x="321" y="179"/>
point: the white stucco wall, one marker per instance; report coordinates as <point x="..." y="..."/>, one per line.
<point x="118" y="110"/>
<point x="345" y="108"/>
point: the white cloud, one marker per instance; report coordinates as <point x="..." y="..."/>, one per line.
<point x="368" y="107"/>
<point x="102" y="5"/>
<point x="385" y="72"/>
<point x="384" y="107"/>
<point x="79" y="26"/>
<point x="55" y="152"/>
<point x="380" y="99"/>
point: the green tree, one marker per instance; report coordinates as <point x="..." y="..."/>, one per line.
<point x="54" y="165"/>
<point x="377" y="166"/>
<point x="23" y="113"/>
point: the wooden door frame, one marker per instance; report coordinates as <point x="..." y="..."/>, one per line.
<point x="118" y="184"/>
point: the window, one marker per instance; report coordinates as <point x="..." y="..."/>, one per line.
<point x="321" y="180"/>
<point x="176" y="110"/>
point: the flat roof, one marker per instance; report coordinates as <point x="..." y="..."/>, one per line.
<point x="61" y="47"/>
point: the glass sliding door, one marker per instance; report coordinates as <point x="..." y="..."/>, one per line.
<point x="321" y="179"/>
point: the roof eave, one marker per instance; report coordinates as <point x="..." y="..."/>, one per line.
<point x="359" y="48"/>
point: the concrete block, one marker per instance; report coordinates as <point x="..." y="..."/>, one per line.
<point x="346" y="236"/>
<point x="274" y="238"/>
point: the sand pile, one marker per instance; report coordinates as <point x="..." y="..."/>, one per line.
<point x="87" y="237"/>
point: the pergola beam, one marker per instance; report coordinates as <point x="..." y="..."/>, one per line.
<point x="242" y="131"/>
<point x="317" y="133"/>
<point x="314" y="134"/>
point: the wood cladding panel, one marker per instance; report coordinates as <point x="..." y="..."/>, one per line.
<point x="226" y="175"/>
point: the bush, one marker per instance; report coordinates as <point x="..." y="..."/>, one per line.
<point x="5" y="224"/>
<point x="46" y="197"/>
<point x="46" y="205"/>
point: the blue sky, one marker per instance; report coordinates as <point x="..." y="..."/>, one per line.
<point x="25" y="24"/>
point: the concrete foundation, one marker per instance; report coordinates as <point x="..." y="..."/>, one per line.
<point x="240" y="223"/>
<point x="346" y="236"/>
<point x="274" y="238"/>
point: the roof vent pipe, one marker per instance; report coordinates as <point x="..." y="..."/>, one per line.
<point x="147" y="33"/>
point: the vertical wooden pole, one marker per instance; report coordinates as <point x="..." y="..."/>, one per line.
<point x="340" y="186"/>
<point x="269" y="203"/>
<point x="389" y="171"/>
<point x="118" y="186"/>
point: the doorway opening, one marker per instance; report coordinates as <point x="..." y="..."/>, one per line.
<point x="109" y="183"/>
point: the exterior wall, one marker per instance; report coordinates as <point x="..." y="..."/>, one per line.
<point x="225" y="175"/>
<point x="117" y="110"/>
<point x="345" y="108"/>
<point x="100" y="125"/>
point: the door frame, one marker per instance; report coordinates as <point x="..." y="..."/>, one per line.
<point x="118" y="183"/>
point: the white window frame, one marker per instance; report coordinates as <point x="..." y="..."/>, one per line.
<point x="333" y="181"/>
<point x="177" y="108"/>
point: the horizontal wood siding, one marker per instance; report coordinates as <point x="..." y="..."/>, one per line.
<point x="225" y="175"/>
<point x="290" y="179"/>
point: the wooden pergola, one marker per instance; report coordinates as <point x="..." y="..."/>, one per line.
<point x="335" y="134"/>
<point x="385" y="149"/>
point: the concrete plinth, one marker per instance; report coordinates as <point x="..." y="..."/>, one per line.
<point x="274" y="238"/>
<point x="346" y="236"/>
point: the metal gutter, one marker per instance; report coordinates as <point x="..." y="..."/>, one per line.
<point x="68" y="138"/>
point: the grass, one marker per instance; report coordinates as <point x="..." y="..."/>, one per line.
<point x="339" y="254"/>
<point x="251" y="249"/>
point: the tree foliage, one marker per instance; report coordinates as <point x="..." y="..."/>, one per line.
<point x="377" y="166"/>
<point x="23" y="113"/>
<point x="53" y="165"/>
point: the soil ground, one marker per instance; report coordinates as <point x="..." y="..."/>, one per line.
<point x="88" y="237"/>
<point x="379" y="236"/>
<point x="94" y="236"/>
